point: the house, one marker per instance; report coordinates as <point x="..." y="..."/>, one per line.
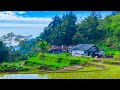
<point x="70" y="48"/>
<point x="58" y="49"/>
<point x="87" y="50"/>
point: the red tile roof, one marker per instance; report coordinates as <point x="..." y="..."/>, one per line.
<point x="54" y="47"/>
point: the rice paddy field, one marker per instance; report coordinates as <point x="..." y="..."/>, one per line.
<point x="113" y="72"/>
<point x="88" y="72"/>
<point x="104" y="69"/>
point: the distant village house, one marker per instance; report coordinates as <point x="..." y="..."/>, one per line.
<point x="78" y="50"/>
<point x="58" y="49"/>
<point x="87" y="50"/>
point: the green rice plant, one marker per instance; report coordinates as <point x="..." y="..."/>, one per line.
<point x="12" y="67"/>
<point x="57" y="60"/>
<point x="117" y="56"/>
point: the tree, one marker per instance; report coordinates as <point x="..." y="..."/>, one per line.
<point x="44" y="47"/>
<point x="8" y="39"/>
<point x="61" y="30"/>
<point x="4" y="53"/>
<point x="68" y="28"/>
<point x="114" y="13"/>
<point x="78" y="38"/>
<point x="90" y="28"/>
<point x="15" y="43"/>
<point x="112" y="26"/>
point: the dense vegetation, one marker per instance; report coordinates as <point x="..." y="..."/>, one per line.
<point x="53" y="62"/>
<point x="65" y="30"/>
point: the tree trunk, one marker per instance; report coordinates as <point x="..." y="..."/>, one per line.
<point x="43" y="61"/>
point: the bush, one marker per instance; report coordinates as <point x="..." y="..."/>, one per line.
<point x="24" y="57"/>
<point x="12" y="67"/>
<point x="117" y="56"/>
<point x="30" y="63"/>
<point x="72" y="62"/>
<point x="59" y="60"/>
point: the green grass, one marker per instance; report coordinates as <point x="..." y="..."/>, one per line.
<point x="55" y="61"/>
<point x="6" y="67"/>
<point x="112" y="73"/>
<point x="89" y="72"/>
<point x="90" y="68"/>
<point x="61" y="60"/>
<point x="112" y="61"/>
<point x="111" y="52"/>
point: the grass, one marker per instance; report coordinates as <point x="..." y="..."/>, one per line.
<point x="88" y="72"/>
<point x="111" y="61"/>
<point x="112" y="73"/>
<point x="5" y="67"/>
<point x="90" y="68"/>
<point x="93" y="73"/>
<point x="111" y="52"/>
<point x="56" y="61"/>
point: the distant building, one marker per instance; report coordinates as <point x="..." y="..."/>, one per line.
<point x="58" y="49"/>
<point x="70" y="48"/>
<point x="87" y="50"/>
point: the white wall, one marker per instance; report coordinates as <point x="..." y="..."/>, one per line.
<point x="101" y="53"/>
<point x="77" y="52"/>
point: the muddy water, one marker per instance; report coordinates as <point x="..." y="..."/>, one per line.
<point x="23" y="76"/>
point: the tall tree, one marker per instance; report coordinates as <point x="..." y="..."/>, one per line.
<point x="90" y="28"/>
<point x="114" y="12"/>
<point x="9" y="39"/>
<point x="44" y="47"/>
<point x="4" y="53"/>
<point x="52" y="33"/>
<point x="61" y="30"/>
<point x="68" y="27"/>
<point x="78" y="38"/>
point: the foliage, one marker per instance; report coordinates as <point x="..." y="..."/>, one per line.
<point x="117" y="56"/>
<point x="4" y="52"/>
<point x="44" y="47"/>
<point x="61" y="30"/>
<point x="65" y="30"/>
<point x="58" y="61"/>
<point x="92" y="29"/>
<point x="11" y="67"/>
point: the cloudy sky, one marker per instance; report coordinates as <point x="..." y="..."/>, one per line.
<point x="32" y="22"/>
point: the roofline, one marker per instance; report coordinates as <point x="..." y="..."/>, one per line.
<point x="79" y="44"/>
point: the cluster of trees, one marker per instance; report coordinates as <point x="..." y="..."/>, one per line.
<point x="94" y="28"/>
<point x="16" y="47"/>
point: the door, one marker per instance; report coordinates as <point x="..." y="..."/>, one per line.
<point x="88" y="53"/>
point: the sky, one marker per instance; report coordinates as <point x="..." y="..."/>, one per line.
<point x="32" y="22"/>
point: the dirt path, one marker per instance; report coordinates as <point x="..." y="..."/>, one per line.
<point x="75" y="67"/>
<point x="100" y="59"/>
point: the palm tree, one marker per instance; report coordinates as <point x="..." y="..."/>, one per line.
<point x="44" y="47"/>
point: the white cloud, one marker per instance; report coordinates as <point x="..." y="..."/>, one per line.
<point x="21" y="12"/>
<point x="25" y="31"/>
<point x="10" y="21"/>
<point x="21" y="25"/>
<point x="9" y="15"/>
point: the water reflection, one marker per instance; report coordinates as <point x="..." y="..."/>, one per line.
<point x="23" y="76"/>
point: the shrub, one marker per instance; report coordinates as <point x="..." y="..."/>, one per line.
<point x="59" y="60"/>
<point x="30" y="63"/>
<point x="72" y="62"/>
<point x="24" y="57"/>
<point x="117" y="56"/>
<point x="12" y="67"/>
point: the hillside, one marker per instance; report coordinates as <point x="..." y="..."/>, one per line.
<point x="93" y="29"/>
